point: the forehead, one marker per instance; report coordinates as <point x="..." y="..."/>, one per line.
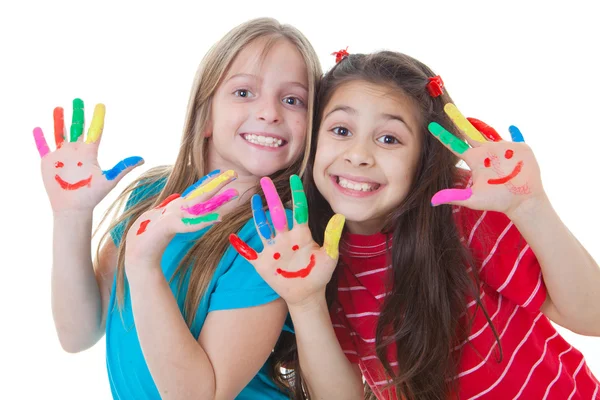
<point x="367" y="93"/>
<point x="271" y="55"/>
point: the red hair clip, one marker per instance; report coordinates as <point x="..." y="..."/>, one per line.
<point x="340" y="55"/>
<point x="435" y="86"/>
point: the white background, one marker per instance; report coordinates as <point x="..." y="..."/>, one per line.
<point x="506" y="63"/>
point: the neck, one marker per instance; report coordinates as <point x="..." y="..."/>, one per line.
<point x="364" y="227"/>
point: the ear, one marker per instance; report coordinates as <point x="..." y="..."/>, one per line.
<point x="208" y="129"/>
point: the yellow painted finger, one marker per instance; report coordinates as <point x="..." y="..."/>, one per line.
<point x="97" y="125"/>
<point x="463" y="123"/>
<point x="211" y="185"/>
<point x="333" y="232"/>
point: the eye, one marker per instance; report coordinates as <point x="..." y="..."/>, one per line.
<point x="293" y="101"/>
<point x="276" y="256"/>
<point x="58" y="164"/>
<point x="242" y="93"/>
<point x="509" y="153"/>
<point x="388" y="139"/>
<point x="341" y="131"/>
<point x="487" y="162"/>
<point x="79" y="164"/>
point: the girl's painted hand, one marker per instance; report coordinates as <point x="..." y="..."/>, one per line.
<point x="291" y="263"/>
<point x="72" y="176"/>
<point x="192" y="211"/>
<point x="505" y="174"/>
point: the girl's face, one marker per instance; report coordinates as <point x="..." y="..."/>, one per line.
<point x="367" y="151"/>
<point x="259" y="111"/>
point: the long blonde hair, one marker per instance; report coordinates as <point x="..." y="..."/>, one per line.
<point x="191" y="160"/>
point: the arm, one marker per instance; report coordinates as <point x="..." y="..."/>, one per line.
<point x="571" y="276"/>
<point x="327" y="371"/>
<point x="292" y="254"/>
<point x="225" y="357"/>
<point x="79" y="295"/>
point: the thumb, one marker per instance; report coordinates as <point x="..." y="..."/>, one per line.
<point x="451" y="196"/>
<point x="333" y="232"/>
<point x="242" y="247"/>
<point x="122" y="168"/>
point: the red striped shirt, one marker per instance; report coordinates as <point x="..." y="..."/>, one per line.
<point x="537" y="362"/>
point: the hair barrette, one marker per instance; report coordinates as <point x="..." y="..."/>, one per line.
<point x="435" y="86"/>
<point x="340" y="55"/>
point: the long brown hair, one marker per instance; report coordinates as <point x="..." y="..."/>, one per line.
<point x="429" y="282"/>
<point x="190" y="164"/>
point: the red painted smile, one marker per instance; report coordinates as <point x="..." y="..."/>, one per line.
<point x="301" y="273"/>
<point x="73" y="186"/>
<point x="503" y="180"/>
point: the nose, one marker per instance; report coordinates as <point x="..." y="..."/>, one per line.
<point x="359" y="154"/>
<point x="269" y="110"/>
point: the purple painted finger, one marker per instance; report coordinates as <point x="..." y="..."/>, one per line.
<point x="450" y="195"/>
<point x="212" y="204"/>
<point x="40" y="142"/>
<point x="274" y="202"/>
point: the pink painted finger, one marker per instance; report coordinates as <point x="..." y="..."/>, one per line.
<point x="449" y="195"/>
<point x="277" y="212"/>
<point x="211" y="204"/>
<point x="40" y="142"/>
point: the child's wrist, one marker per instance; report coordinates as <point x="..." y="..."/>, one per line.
<point x="142" y="272"/>
<point x="309" y="304"/>
<point x="531" y="210"/>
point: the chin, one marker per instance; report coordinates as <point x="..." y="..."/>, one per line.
<point x="265" y="169"/>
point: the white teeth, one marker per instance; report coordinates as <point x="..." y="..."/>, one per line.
<point x="266" y="141"/>
<point x="358" y="186"/>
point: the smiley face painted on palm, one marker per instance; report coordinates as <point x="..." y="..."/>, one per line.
<point x="68" y="185"/>
<point x="495" y="162"/>
<point x="301" y="273"/>
<point x="72" y="154"/>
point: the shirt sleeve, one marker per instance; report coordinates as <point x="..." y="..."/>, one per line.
<point x="240" y="286"/>
<point x="505" y="261"/>
<point x="142" y="191"/>
<point x="342" y="332"/>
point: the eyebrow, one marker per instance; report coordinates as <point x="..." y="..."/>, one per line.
<point x="352" y="111"/>
<point x="241" y="75"/>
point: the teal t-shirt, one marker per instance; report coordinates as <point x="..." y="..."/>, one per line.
<point x="235" y="284"/>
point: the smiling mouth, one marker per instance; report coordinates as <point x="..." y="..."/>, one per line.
<point x="505" y="179"/>
<point x="73" y="186"/>
<point x="301" y="273"/>
<point x="264" y="140"/>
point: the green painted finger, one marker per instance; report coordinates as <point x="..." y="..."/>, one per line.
<point x="78" y="120"/>
<point x="203" y="218"/>
<point x="299" y="198"/>
<point x="447" y="138"/>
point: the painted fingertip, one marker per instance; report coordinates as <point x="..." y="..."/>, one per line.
<point x="486" y="130"/>
<point x="278" y="215"/>
<point x="449" y="195"/>
<point x="203" y="187"/>
<point x="121" y="166"/>
<point x="201" y="219"/>
<point x="260" y="218"/>
<point x="78" y="120"/>
<point x="333" y="233"/>
<point x="211" y="204"/>
<point x="40" y="142"/>
<point x="299" y="200"/>
<point x="166" y="201"/>
<point x="242" y="248"/>
<point x="515" y="134"/>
